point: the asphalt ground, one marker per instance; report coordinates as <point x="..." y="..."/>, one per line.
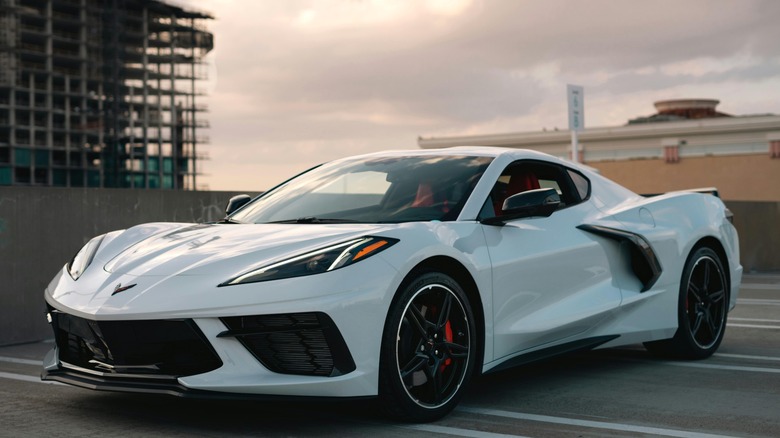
<point x="614" y="392"/>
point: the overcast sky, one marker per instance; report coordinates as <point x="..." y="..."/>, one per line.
<point x="298" y="82"/>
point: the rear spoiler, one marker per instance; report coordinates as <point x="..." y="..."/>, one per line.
<point x="706" y="190"/>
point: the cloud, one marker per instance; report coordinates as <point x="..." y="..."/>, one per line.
<point x="304" y="81"/>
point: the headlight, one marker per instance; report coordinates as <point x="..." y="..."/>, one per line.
<point x="84" y="257"/>
<point x="315" y="262"/>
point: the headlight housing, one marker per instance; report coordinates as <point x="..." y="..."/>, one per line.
<point x="322" y="260"/>
<point x="84" y="257"/>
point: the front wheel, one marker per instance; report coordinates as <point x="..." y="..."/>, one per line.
<point x="702" y="308"/>
<point x="428" y="349"/>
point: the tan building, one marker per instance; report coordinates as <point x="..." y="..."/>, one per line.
<point x="687" y="144"/>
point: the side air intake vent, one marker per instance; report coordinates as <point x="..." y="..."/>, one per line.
<point x="306" y="344"/>
<point x="644" y="262"/>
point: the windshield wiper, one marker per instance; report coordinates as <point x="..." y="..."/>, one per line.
<point x="314" y="220"/>
<point x="228" y="220"/>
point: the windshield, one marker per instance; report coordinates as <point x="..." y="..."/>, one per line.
<point x="372" y="190"/>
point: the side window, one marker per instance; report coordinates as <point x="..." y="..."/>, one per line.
<point x="581" y="183"/>
<point x="525" y="175"/>
<point x="550" y="184"/>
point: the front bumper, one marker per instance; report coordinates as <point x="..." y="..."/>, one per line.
<point x="170" y="387"/>
<point x="289" y="361"/>
<point x="355" y="306"/>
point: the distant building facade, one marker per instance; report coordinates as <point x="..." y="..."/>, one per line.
<point x="101" y="93"/>
<point x="687" y="144"/>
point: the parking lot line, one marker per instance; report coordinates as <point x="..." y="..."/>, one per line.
<point x="754" y="320"/>
<point x="22" y="361"/>
<point x="26" y="378"/>
<point x="724" y="367"/>
<point x="588" y="423"/>
<point x="757" y="302"/>
<point x="760" y="286"/>
<point x="770" y="327"/>
<point x="457" y="431"/>
<point x="746" y="356"/>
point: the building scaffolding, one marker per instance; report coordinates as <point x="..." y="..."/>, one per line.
<point x="102" y="93"/>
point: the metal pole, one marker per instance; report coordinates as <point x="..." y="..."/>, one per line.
<point x="575" y="156"/>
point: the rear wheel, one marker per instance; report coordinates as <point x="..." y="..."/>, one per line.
<point x="702" y="308"/>
<point x="428" y="349"/>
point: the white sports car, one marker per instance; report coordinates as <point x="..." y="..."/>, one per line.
<point x="398" y="275"/>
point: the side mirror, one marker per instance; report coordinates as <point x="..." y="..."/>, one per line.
<point x="531" y="203"/>
<point x="539" y="202"/>
<point x="235" y="203"/>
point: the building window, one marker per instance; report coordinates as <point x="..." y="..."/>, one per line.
<point x="41" y="176"/>
<point x="672" y="154"/>
<point x="5" y="176"/>
<point x="41" y="158"/>
<point x="22" y="157"/>
<point x="774" y="148"/>
<point x="93" y="178"/>
<point x="76" y="178"/>
<point x="23" y="175"/>
<point x="59" y="177"/>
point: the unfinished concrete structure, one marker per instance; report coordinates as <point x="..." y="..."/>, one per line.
<point x="101" y="93"/>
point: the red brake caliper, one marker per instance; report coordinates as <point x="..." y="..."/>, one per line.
<point x="448" y="338"/>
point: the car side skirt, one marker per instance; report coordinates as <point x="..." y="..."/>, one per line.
<point x="546" y="353"/>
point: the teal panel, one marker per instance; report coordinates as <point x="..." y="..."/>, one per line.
<point x="93" y="178"/>
<point x="22" y="157"/>
<point x="41" y="158"/>
<point x="59" y="177"/>
<point x="5" y="176"/>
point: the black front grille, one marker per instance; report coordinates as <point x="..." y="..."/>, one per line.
<point x="173" y="348"/>
<point x="297" y="343"/>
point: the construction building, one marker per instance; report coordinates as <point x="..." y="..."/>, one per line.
<point x="686" y="144"/>
<point x="102" y="93"/>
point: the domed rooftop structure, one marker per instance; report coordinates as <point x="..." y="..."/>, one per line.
<point x="682" y="109"/>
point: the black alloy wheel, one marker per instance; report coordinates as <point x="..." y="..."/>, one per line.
<point x="705" y="302"/>
<point x="702" y="308"/>
<point x="428" y="352"/>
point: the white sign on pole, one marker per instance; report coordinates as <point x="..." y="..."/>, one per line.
<point x="576" y="107"/>
<point x="576" y="99"/>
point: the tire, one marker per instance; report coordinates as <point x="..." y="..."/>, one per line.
<point x="702" y="309"/>
<point x="428" y="349"/>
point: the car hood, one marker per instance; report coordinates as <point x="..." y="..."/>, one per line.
<point x="217" y="249"/>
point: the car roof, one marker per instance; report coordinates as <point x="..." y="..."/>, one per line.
<point x="477" y="151"/>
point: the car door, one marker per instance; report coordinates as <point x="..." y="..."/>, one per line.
<point x="551" y="281"/>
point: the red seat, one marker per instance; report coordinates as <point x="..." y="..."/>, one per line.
<point x="518" y="183"/>
<point x="522" y="182"/>
<point x="424" y="196"/>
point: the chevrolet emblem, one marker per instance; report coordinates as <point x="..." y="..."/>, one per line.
<point x="120" y="288"/>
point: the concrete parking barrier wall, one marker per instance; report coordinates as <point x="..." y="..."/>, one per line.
<point x="758" y="224"/>
<point x="42" y="228"/>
